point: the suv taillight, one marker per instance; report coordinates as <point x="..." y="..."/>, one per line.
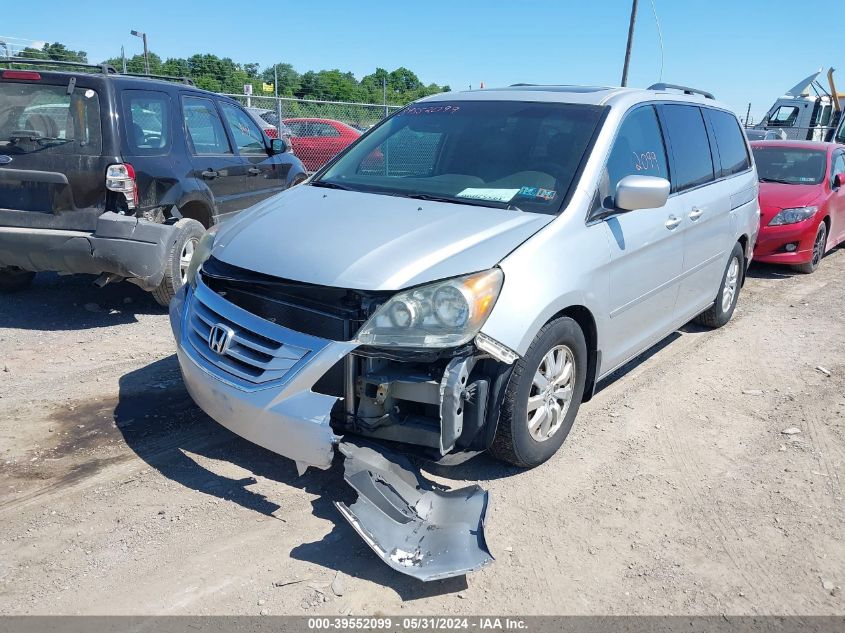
<point x="121" y="178"/>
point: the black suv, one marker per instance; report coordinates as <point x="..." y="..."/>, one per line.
<point x="120" y="175"/>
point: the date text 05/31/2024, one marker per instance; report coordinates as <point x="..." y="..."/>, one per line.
<point x="423" y="623"/>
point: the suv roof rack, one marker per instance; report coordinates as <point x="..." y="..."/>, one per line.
<point x="685" y="89"/>
<point x="106" y="69"/>
<point x="185" y="80"/>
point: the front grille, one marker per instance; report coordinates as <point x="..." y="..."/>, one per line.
<point x="258" y="353"/>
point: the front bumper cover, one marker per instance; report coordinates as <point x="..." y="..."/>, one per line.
<point x="416" y="529"/>
<point x="122" y="245"/>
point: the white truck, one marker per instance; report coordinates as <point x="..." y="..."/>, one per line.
<point x="808" y="111"/>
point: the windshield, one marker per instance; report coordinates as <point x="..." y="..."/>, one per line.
<point x="487" y="153"/>
<point x="37" y="117"/>
<point x="790" y="165"/>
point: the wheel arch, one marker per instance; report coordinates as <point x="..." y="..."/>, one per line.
<point x="587" y="322"/>
<point x="197" y="210"/>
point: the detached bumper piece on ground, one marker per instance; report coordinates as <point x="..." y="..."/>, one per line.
<point x="416" y="528"/>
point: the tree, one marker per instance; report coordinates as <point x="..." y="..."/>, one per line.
<point x="56" y="51"/>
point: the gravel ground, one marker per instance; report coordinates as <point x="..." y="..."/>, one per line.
<point x="678" y="491"/>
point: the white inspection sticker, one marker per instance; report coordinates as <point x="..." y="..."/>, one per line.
<point x="493" y="195"/>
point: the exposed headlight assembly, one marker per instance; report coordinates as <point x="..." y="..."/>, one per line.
<point x="793" y="216"/>
<point x="202" y="251"/>
<point x="446" y="313"/>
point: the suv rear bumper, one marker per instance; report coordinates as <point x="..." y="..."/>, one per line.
<point x="121" y="245"/>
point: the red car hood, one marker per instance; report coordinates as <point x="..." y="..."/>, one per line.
<point x="775" y="196"/>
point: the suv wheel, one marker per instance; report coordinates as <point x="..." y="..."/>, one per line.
<point x="188" y="234"/>
<point x="543" y="395"/>
<point x="818" y="251"/>
<point x="723" y="307"/>
<point x="13" y="279"/>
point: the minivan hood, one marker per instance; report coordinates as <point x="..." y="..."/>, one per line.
<point x="367" y="241"/>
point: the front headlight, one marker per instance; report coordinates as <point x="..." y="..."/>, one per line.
<point x="793" y="216"/>
<point x="447" y="313"/>
<point x="202" y="251"/>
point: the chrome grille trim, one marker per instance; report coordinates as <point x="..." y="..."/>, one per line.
<point x="260" y="354"/>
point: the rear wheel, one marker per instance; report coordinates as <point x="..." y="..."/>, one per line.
<point x="188" y="234"/>
<point x="723" y="308"/>
<point x="13" y="279"/>
<point x="818" y="251"/>
<point x="543" y="395"/>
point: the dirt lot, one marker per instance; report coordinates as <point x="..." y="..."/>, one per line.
<point x="677" y="491"/>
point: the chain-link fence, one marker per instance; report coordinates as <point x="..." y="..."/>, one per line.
<point x="316" y="130"/>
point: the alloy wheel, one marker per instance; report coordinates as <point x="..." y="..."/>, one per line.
<point x="731" y="285"/>
<point x="551" y="393"/>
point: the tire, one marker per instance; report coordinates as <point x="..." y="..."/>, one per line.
<point x="818" y="251"/>
<point x="723" y="306"/>
<point x="13" y="279"/>
<point x="188" y="232"/>
<point x="514" y="442"/>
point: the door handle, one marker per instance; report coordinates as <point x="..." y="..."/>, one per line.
<point x="695" y="214"/>
<point x="253" y="171"/>
<point x="210" y="174"/>
<point x="673" y="222"/>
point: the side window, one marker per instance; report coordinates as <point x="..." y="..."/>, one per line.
<point x="692" y="163"/>
<point x="206" y="135"/>
<point x="323" y="129"/>
<point x="147" y="120"/>
<point x="249" y="139"/>
<point x="838" y="166"/>
<point x="733" y="153"/>
<point x="297" y="128"/>
<point x="784" y="116"/>
<point x="637" y="151"/>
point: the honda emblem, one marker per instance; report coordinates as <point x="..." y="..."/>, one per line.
<point x="219" y="338"/>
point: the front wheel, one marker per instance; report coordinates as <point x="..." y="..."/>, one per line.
<point x="13" y="279"/>
<point x="723" y="308"/>
<point x="819" y="245"/>
<point x="543" y="395"/>
<point x="188" y="234"/>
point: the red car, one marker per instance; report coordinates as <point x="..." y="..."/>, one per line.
<point x="316" y="141"/>
<point x="802" y="201"/>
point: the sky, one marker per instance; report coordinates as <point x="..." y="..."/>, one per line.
<point x="743" y="52"/>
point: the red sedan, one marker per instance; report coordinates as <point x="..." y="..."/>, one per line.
<point x="802" y="201"/>
<point x="316" y="141"/>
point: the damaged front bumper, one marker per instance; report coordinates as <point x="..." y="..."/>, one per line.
<point x="256" y="378"/>
<point x="121" y="245"/>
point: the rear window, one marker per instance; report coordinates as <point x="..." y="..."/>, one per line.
<point x="733" y="152"/>
<point x="36" y="117"/>
<point x="147" y="117"/>
<point x="693" y="162"/>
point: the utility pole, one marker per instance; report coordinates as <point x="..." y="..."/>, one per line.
<point x="747" y="115"/>
<point x="143" y="36"/>
<point x="384" y="94"/>
<point x="630" y="44"/>
<point x="278" y="102"/>
<point x="123" y="59"/>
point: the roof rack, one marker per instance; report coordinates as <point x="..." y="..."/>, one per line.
<point x="184" y="80"/>
<point x="106" y="69"/>
<point x="685" y="89"/>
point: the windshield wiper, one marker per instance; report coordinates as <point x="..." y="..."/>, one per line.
<point x="330" y="185"/>
<point x="782" y="182"/>
<point x="490" y="204"/>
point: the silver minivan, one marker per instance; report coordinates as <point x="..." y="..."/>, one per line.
<point x="458" y="280"/>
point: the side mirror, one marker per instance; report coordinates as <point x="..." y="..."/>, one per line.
<point x="641" y="192"/>
<point x="277" y="146"/>
<point x="838" y="180"/>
